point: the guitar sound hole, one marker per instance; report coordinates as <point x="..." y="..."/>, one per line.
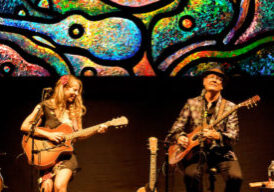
<point x="195" y="137"/>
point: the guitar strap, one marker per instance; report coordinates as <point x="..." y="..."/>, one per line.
<point x="221" y="109"/>
<point x="220" y="112"/>
<point x="75" y="125"/>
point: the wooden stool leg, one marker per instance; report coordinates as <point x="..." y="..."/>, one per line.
<point x="212" y="179"/>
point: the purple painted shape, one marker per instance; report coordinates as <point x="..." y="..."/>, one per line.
<point x="22" y="67"/>
<point x="170" y="59"/>
<point x="134" y="3"/>
<point x="242" y="16"/>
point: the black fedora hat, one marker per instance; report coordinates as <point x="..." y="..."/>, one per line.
<point x="217" y="70"/>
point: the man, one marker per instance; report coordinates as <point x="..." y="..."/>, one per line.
<point x="215" y="148"/>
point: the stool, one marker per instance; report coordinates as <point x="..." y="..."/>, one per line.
<point x="212" y="172"/>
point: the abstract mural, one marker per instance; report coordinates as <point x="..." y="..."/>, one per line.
<point x="135" y="37"/>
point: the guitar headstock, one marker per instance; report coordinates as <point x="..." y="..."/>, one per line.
<point x="117" y="122"/>
<point x="153" y="144"/>
<point x="251" y="102"/>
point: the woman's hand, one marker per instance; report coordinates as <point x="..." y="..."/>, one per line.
<point x="102" y="128"/>
<point x="183" y="140"/>
<point x="56" y="136"/>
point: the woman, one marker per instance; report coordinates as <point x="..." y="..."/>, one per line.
<point x="64" y="106"/>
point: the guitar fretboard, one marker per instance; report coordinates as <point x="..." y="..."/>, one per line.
<point x="223" y="116"/>
<point x="250" y="102"/>
<point x="82" y="132"/>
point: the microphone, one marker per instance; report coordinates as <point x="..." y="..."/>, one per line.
<point x="48" y="89"/>
<point x="173" y="132"/>
<point x="46" y="93"/>
<point x="203" y="92"/>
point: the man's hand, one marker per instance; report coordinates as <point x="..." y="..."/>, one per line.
<point x="183" y="140"/>
<point x="211" y="134"/>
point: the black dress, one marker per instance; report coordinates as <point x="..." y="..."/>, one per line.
<point x="68" y="161"/>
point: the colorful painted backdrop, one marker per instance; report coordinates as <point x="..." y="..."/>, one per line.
<point x="135" y="37"/>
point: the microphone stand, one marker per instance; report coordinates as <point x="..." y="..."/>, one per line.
<point x="166" y="147"/>
<point x="45" y="95"/>
<point x="202" y="153"/>
<point x="167" y="143"/>
<point x="202" y="157"/>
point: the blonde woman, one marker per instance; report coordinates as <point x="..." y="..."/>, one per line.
<point x="64" y="106"/>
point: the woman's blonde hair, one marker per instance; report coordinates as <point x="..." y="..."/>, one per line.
<point x="58" y="102"/>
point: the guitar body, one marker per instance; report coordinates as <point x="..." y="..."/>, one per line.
<point x="145" y="189"/>
<point x="142" y="189"/>
<point x="47" y="151"/>
<point x="176" y="152"/>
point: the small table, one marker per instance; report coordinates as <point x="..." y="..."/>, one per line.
<point x="262" y="186"/>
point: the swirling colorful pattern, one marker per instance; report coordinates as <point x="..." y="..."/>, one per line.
<point x="135" y="38"/>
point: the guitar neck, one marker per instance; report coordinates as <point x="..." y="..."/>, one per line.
<point x="83" y="132"/>
<point x="117" y="122"/>
<point x="152" y="173"/>
<point x="223" y="116"/>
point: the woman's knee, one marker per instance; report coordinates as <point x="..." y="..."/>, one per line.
<point x="62" y="179"/>
<point x="60" y="187"/>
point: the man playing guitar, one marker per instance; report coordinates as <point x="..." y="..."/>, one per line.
<point x="216" y="143"/>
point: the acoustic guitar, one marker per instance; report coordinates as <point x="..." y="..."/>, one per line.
<point x="176" y="152"/>
<point x="153" y="147"/>
<point x="46" y="152"/>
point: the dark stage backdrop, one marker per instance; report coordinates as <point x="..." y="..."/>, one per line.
<point x="118" y="161"/>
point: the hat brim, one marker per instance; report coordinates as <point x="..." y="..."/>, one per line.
<point x="206" y="73"/>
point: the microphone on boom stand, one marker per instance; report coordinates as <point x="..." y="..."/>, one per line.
<point x="46" y="93"/>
